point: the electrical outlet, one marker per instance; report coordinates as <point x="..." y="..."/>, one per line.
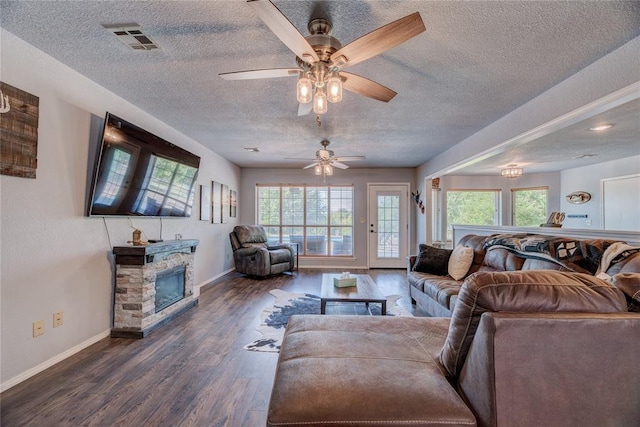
<point x="38" y="328"/>
<point x="588" y="222"/>
<point x="57" y="319"/>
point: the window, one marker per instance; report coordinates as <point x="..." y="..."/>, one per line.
<point x="318" y="218"/>
<point x="472" y="207"/>
<point x="529" y="206"/>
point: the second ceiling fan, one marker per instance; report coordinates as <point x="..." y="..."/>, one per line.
<point x="321" y="58"/>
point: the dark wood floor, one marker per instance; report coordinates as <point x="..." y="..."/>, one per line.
<point x="192" y="371"/>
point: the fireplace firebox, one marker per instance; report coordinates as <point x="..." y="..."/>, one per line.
<point x="169" y="287"/>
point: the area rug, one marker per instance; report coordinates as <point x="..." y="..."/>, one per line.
<point x="274" y="318"/>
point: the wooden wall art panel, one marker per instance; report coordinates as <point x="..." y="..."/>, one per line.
<point x="18" y="132"/>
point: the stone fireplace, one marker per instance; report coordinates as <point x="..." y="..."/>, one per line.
<point x="154" y="283"/>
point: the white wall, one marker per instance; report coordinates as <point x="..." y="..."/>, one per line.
<point x="53" y="258"/>
<point x="588" y="178"/>
<point x="358" y="177"/>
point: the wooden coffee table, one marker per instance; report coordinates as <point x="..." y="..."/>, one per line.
<point x="365" y="291"/>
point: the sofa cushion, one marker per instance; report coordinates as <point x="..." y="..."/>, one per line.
<point x="432" y="260"/>
<point x="500" y="259"/>
<point x="460" y="261"/>
<point x="541" y="264"/>
<point x="364" y="371"/>
<point x="523" y="292"/>
<point x="629" y="284"/>
<point x="441" y="289"/>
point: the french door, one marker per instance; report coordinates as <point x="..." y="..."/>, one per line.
<point x="388" y="225"/>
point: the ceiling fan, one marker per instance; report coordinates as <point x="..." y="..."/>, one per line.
<point x="321" y="58"/>
<point x="325" y="160"/>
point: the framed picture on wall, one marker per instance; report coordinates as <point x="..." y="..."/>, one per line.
<point x="205" y="203"/>
<point x="233" y="206"/>
<point x="216" y="202"/>
<point x="225" y="203"/>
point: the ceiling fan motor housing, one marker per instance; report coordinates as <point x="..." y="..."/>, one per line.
<point x="325" y="153"/>
<point x="323" y="43"/>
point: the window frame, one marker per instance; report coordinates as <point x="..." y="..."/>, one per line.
<point x="497" y="213"/>
<point x="513" y="204"/>
<point x="306" y="225"/>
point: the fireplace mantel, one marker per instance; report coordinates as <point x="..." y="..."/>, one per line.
<point x="141" y="255"/>
<point x="137" y="267"/>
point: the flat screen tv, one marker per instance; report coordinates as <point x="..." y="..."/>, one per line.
<point x="140" y="174"/>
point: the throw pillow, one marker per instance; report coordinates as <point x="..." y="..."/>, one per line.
<point x="432" y="260"/>
<point x="460" y="262"/>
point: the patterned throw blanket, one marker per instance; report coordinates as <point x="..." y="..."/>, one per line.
<point x="581" y="256"/>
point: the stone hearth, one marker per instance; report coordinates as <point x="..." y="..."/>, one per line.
<point x="134" y="311"/>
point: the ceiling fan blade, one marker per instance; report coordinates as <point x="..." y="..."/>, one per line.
<point x="304" y="109"/>
<point x="365" y="87"/>
<point x="268" y="73"/>
<point x="284" y="30"/>
<point x="378" y="41"/>
<point x="339" y="165"/>
<point x="310" y="166"/>
<point x="350" y="158"/>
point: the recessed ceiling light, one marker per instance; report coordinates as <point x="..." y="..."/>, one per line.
<point x="601" y="127"/>
<point x="252" y="149"/>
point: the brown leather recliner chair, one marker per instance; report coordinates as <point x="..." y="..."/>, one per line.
<point x="253" y="255"/>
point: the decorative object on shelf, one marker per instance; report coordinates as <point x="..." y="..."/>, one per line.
<point x="19" y="127"/>
<point x="512" y="171"/>
<point x="137" y="238"/>
<point x="578" y="197"/>
<point x="555" y="220"/>
<point x="435" y="183"/>
<point x="416" y="198"/>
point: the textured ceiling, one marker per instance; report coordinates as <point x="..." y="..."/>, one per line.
<point x="476" y="62"/>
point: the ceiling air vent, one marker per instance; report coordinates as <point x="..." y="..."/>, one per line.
<point x="132" y="36"/>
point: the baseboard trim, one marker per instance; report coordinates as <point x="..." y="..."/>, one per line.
<point x="210" y="280"/>
<point x="333" y="267"/>
<point x="49" y="363"/>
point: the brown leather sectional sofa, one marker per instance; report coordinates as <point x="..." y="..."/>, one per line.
<point x="436" y="295"/>
<point x="522" y="348"/>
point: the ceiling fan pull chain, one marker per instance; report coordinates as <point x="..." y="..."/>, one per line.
<point x="318" y="121"/>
